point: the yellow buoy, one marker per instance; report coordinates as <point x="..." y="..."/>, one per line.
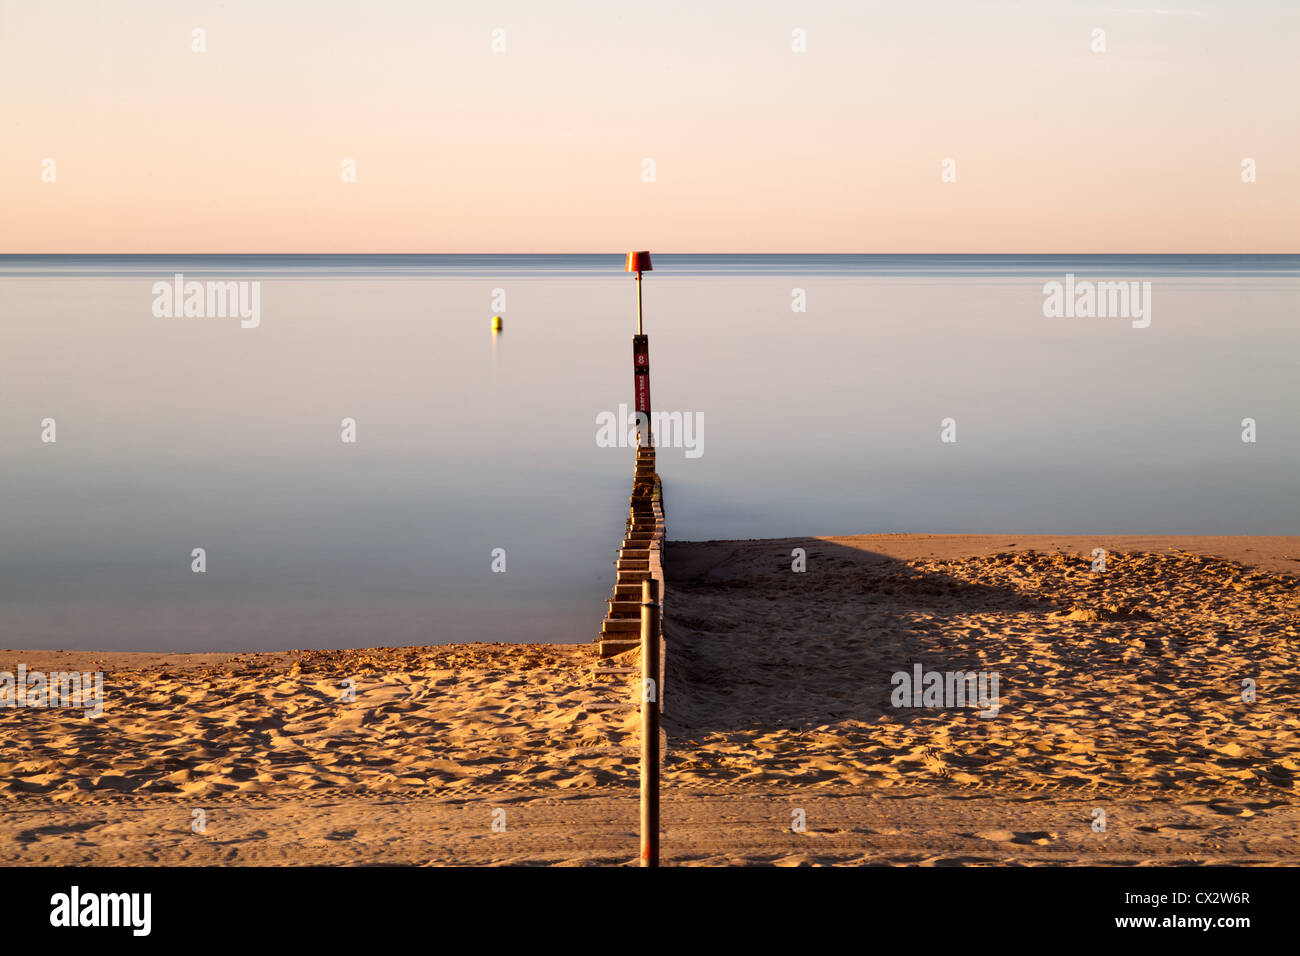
<point x="496" y="323"/>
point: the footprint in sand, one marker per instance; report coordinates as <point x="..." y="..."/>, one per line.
<point x="252" y="837"/>
<point x="57" y="830"/>
<point x="1162" y="827"/>
<point x="1036" y="837"/>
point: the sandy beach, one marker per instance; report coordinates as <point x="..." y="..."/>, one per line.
<point x="1119" y="691"/>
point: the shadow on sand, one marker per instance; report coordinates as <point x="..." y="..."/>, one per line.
<point x="750" y="638"/>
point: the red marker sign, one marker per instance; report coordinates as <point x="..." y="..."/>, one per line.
<point x="641" y="371"/>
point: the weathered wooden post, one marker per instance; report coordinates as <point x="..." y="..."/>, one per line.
<point x="650" y="722"/>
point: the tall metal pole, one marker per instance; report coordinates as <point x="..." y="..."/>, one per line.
<point x="639" y="330"/>
<point x="650" y="722"/>
<point x="639" y="262"/>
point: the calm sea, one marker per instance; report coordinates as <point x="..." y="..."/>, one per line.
<point x="182" y="433"/>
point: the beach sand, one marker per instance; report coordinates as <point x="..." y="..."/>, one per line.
<point x="1119" y="692"/>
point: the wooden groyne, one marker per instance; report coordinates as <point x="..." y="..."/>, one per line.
<point x="640" y="557"/>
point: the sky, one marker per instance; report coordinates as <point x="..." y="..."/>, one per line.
<point x="541" y="144"/>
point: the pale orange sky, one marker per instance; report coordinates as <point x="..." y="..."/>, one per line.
<point x="757" y="148"/>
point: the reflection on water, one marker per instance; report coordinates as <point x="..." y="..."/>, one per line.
<point x="175" y="434"/>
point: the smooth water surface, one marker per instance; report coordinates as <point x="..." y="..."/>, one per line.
<point x="183" y="433"/>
